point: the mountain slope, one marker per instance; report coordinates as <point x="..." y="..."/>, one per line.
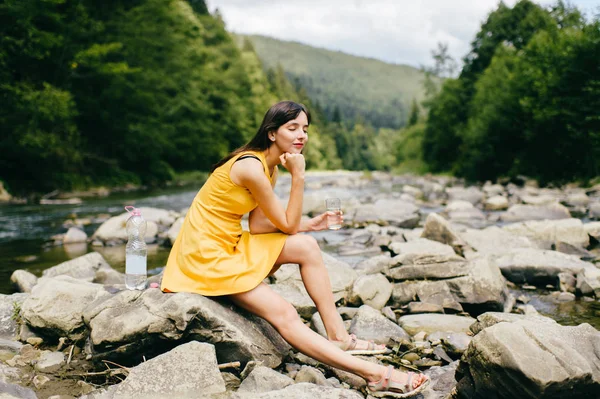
<point x="362" y="88"/>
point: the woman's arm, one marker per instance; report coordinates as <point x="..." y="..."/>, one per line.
<point x="250" y="174"/>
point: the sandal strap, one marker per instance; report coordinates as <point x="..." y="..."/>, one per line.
<point x="352" y="342"/>
<point x="409" y="379"/>
<point x="387" y="377"/>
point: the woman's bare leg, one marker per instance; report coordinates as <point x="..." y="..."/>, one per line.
<point x="304" y="250"/>
<point x="266" y="303"/>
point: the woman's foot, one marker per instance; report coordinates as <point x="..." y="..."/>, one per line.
<point x="355" y="346"/>
<point x="395" y="383"/>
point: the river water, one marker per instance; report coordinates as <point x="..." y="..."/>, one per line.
<point x="25" y="230"/>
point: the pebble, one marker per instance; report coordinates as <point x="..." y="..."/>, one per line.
<point x="35" y="341"/>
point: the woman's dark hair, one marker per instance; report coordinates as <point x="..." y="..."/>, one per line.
<point x="279" y="114"/>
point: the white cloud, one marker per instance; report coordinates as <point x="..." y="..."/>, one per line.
<point x="394" y="31"/>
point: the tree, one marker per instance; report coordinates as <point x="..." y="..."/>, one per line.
<point x="414" y="113"/>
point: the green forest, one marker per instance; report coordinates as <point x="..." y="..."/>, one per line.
<point x="142" y="91"/>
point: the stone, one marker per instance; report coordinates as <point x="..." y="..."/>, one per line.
<point x="49" y="362"/>
<point x="370" y="324"/>
<point x="373" y="265"/>
<point x="23" y="280"/>
<point x="182" y="372"/>
<point x="302" y="391"/>
<point x="494" y="240"/>
<point x="81" y="268"/>
<point x="421" y="267"/>
<point x="116" y="324"/>
<point x="496" y="203"/>
<point x="538" y="267"/>
<point x="423" y="307"/>
<point x="519" y="213"/>
<point x="14" y="391"/>
<point x="481" y="288"/>
<point x="10" y="313"/>
<point x="56" y="305"/>
<point x="264" y="379"/>
<point x="471" y="194"/>
<point x="588" y="281"/>
<point x="373" y="290"/>
<point x="74" y="235"/>
<point x="387" y="212"/>
<point x="546" y="233"/>
<point x="174" y="230"/>
<point x="439" y="229"/>
<point x="489" y="319"/>
<point x="421" y="246"/>
<point x="311" y="375"/>
<point x="430" y="323"/>
<point x="537" y="360"/>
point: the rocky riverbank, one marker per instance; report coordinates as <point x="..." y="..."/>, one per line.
<point x="438" y="263"/>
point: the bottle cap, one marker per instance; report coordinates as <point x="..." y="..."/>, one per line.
<point x="133" y="211"/>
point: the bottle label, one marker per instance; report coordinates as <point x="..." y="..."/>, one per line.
<point x="135" y="264"/>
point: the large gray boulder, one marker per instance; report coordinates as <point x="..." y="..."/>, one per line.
<point x="185" y="372"/>
<point x="82" y="268"/>
<point x="489" y="319"/>
<point x="133" y="322"/>
<point x="549" y="232"/>
<point x="538" y="267"/>
<point x="55" y="306"/>
<point x="494" y="240"/>
<point x="531" y="360"/>
<point x="477" y="285"/>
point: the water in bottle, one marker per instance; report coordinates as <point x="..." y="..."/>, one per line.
<point x="135" y="251"/>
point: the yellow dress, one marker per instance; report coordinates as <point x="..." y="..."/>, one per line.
<point x="212" y="255"/>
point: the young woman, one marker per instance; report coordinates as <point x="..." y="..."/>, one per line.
<point x="212" y="256"/>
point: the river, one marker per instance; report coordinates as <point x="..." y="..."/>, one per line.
<point x="25" y="230"/>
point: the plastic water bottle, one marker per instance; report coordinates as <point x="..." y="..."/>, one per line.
<point x="135" y="251"/>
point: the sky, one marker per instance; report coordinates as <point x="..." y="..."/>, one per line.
<point x="394" y="31"/>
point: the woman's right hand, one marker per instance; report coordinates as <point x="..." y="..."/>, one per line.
<point x="294" y="163"/>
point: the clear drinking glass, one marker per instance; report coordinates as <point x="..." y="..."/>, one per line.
<point x="334" y="222"/>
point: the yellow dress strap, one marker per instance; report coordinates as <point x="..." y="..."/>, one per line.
<point x="258" y="154"/>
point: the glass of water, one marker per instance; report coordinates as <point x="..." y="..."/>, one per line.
<point x="334" y="222"/>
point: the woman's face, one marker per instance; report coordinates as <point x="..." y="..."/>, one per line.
<point x="292" y="136"/>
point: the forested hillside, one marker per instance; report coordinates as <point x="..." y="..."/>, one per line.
<point x="527" y="100"/>
<point x="362" y="89"/>
<point x="113" y="92"/>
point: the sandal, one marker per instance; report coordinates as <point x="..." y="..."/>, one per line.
<point x="388" y="387"/>
<point x="350" y="347"/>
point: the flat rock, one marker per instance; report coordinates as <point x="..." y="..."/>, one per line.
<point x="180" y="373"/>
<point x="435" y="322"/>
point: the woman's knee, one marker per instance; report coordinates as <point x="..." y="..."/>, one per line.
<point x="310" y="246"/>
<point x="284" y="315"/>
